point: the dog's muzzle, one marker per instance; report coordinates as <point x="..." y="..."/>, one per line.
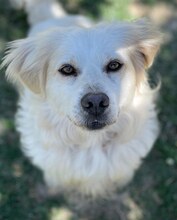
<point x="95" y="105"/>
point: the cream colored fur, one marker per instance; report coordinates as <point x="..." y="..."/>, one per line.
<point x="50" y="118"/>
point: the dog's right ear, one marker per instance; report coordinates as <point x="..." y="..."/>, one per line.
<point x="26" y="63"/>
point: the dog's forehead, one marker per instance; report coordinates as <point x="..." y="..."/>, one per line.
<point x="91" y="42"/>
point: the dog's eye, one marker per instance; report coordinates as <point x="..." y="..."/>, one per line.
<point x="113" y="66"/>
<point x="68" y="70"/>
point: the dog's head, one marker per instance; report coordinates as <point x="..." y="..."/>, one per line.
<point x="87" y="74"/>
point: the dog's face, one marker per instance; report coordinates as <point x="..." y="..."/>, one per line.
<point x="88" y="75"/>
<point x="91" y="78"/>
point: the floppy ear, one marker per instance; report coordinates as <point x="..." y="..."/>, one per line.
<point x="147" y="41"/>
<point x="144" y="42"/>
<point x="26" y="63"/>
<point x="140" y="37"/>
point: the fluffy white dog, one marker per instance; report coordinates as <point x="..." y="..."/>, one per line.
<point x="86" y="113"/>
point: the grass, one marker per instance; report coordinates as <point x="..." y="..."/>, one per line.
<point x="153" y="193"/>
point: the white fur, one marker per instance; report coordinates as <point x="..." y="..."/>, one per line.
<point x="50" y="118"/>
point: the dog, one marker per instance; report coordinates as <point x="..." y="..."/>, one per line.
<point x="87" y="115"/>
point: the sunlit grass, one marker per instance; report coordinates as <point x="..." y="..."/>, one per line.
<point x="135" y="211"/>
<point x="5" y="125"/>
<point x="116" y="10"/>
<point x="62" y="213"/>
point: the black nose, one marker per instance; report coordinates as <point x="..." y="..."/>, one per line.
<point x="95" y="104"/>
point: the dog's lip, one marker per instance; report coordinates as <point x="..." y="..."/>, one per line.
<point x="95" y="125"/>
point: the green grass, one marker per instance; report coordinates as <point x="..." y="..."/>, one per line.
<point x="154" y="188"/>
<point x="109" y="9"/>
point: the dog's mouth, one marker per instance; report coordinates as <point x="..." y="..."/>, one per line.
<point x="95" y="124"/>
<point x="92" y="123"/>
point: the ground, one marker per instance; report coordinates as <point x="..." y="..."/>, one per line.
<point x="152" y="195"/>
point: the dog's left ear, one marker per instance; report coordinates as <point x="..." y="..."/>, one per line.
<point x="147" y="40"/>
<point x="26" y="64"/>
<point x="141" y="38"/>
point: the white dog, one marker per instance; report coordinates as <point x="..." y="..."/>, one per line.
<point x="86" y="113"/>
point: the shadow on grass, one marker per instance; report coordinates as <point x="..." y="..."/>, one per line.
<point x="89" y="7"/>
<point x="13" y="24"/>
<point x="18" y="197"/>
